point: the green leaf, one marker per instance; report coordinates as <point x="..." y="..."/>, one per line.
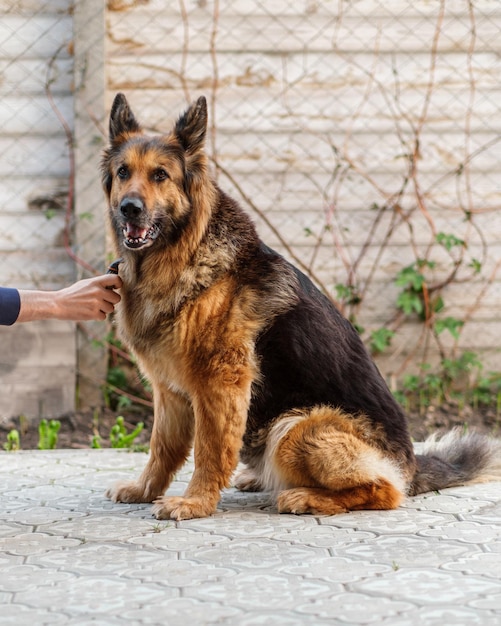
<point x="476" y="266"/>
<point x="13" y="441"/>
<point x="347" y="293"/>
<point x="410" y="277"/>
<point x="437" y="304"/>
<point x="410" y="302"/>
<point x="117" y="377"/>
<point x="48" y="434"/>
<point x="119" y="438"/>
<point x="381" y="339"/>
<point x="451" y="324"/>
<point x="411" y="382"/>
<point x="449" y="241"/>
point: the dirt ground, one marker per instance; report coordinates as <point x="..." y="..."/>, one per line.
<point x="78" y="430"/>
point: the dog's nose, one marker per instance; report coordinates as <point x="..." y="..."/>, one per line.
<point x="131" y="207"/>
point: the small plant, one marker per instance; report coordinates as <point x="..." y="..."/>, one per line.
<point x="432" y="382"/>
<point x="48" y="434"/>
<point x="348" y="294"/>
<point x="412" y="280"/>
<point x="460" y="373"/>
<point x="96" y="439"/>
<point x="487" y="391"/>
<point x="451" y="324"/>
<point x="158" y="528"/>
<point x="116" y="379"/>
<point x="449" y="241"/>
<point x="119" y="393"/>
<point x="380" y="339"/>
<point x="456" y="379"/>
<point x="13" y="442"/>
<point x="119" y="438"/>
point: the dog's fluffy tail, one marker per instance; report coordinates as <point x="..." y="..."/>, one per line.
<point x="455" y="459"/>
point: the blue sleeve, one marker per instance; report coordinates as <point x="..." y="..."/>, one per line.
<point x="10" y="304"/>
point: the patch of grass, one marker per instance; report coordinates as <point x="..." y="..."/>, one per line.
<point x="459" y="380"/>
<point x="13" y="442"/>
<point x="120" y="438"/>
<point x="48" y="434"/>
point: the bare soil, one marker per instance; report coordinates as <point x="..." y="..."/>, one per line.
<point x="78" y="430"/>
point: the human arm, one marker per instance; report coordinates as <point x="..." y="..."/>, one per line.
<point x="10" y="303"/>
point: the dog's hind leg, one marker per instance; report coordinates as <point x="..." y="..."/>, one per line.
<point x="170" y="445"/>
<point x="324" y="463"/>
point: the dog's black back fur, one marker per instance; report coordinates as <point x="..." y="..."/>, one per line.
<point x="311" y="355"/>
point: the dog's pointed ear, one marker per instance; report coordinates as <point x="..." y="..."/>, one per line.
<point x="122" y="120"/>
<point x="191" y="127"/>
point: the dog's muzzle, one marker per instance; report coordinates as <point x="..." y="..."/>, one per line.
<point x="136" y="233"/>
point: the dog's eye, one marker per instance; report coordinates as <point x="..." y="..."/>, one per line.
<point x="160" y="174"/>
<point x="122" y="172"/>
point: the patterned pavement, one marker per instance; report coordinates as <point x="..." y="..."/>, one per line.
<point x="70" y="556"/>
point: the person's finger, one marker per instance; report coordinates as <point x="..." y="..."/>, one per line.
<point x="112" y="281"/>
<point x="112" y="296"/>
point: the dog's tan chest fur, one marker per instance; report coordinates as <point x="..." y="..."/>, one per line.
<point x="214" y="331"/>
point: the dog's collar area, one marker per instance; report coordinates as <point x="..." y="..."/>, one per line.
<point x="113" y="267"/>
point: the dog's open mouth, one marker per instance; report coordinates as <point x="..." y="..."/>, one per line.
<point x="138" y="237"/>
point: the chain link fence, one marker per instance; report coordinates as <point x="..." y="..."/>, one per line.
<point x="37" y="361"/>
<point x="36" y="69"/>
<point x="363" y="137"/>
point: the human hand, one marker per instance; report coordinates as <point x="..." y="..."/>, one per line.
<point x="88" y="299"/>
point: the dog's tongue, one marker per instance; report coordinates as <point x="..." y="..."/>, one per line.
<point x="134" y="232"/>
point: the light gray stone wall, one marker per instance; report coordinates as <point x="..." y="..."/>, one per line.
<point x="354" y="133"/>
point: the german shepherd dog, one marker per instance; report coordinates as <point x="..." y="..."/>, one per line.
<point x="245" y="355"/>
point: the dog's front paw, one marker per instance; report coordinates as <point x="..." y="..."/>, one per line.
<point x="130" y="492"/>
<point x="179" y="508"/>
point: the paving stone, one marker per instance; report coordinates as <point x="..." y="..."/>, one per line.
<point x="94" y="595"/>
<point x="99" y="559"/>
<point x="429" y="586"/>
<point x="36" y="515"/>
<point x="444" y="616"/>
<point x="250" y="524"/>
<point x="183" y="611"/>
<point x="402" y="520"/>
<point x="403" y="551"/>
<point x="353" y="608"/>
<point x="468" y="532"/>
<point x="20" y="615"/>
<point x="34" y="543"/>
<point x="28" y="577"/>
<point x="70" y="556"/>
<point x="485" y="564"/>
<point x="338" y="570"/>
<point x="263" y="590"/>
<point x="178" y="540"/>
<point x="102" y="528"/>
<point x="258" y="554"/>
